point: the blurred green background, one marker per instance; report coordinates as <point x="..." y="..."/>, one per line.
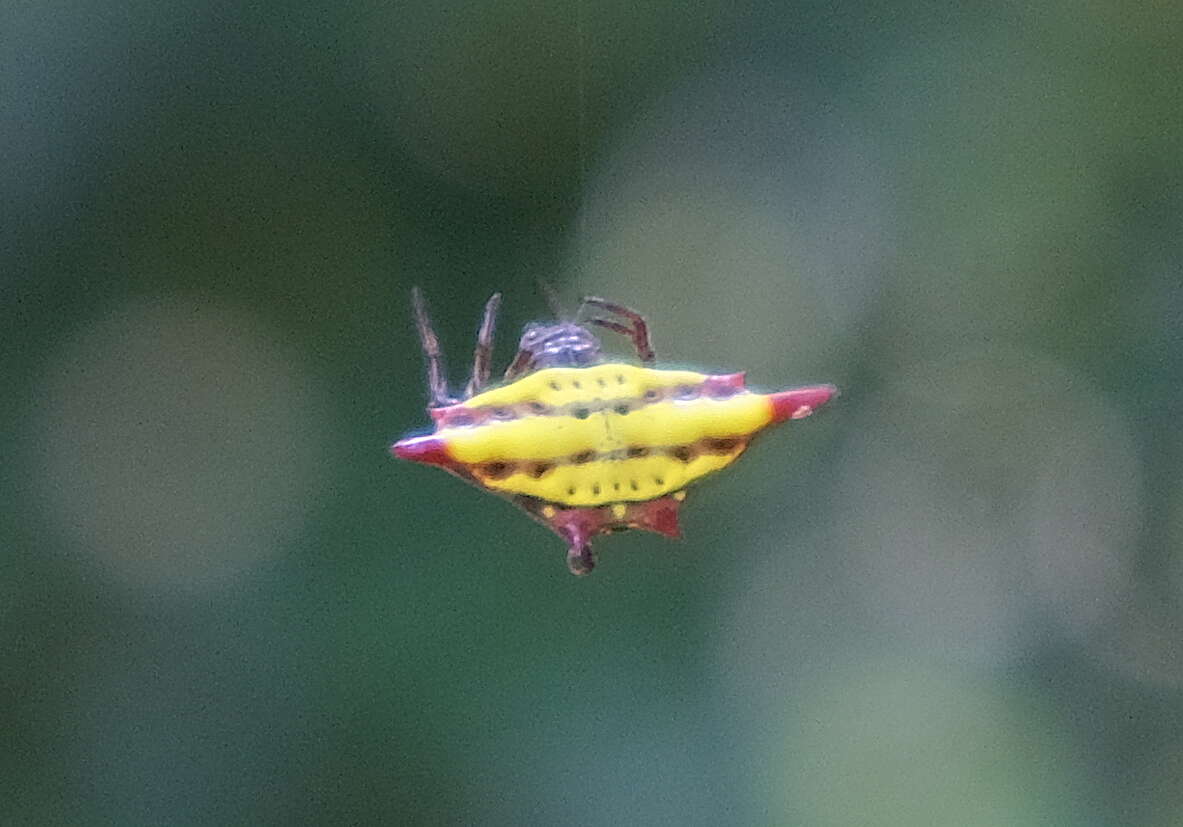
<point x="953" y="597"/>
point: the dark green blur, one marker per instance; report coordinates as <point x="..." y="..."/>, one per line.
<point x="955" y="596"/>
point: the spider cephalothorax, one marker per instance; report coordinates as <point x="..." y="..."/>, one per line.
<point x="585" y="445"/>
<point x="566" y="345"/>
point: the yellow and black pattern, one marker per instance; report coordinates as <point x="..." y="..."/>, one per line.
<point x="589" y="447"/>
<point x="602" y="434"/>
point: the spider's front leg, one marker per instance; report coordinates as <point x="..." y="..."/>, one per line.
<point x="637" y="328"/>
<point x="437" y="382"/>
<point x="524" y="360"/>
<point x="522" y="363"/>
<point x="482" y="357"/>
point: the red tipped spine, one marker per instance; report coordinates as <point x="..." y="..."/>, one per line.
<point x="798" y="403"/>
<point x="428" y="449"/>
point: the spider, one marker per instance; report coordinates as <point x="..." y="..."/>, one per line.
<point x="584" y="444"/>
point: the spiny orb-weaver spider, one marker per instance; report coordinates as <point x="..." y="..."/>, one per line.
<point x="584" y="445"/>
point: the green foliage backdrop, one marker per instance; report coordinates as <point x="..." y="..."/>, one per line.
<point x="954" y="597"/>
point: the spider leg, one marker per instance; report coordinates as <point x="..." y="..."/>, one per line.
<point x="622" y="329"/>
<point x="483" y="355"/>
<point x="437" y="383"/>
<point x="637" y="329"/>
<point x="523" y="360"/>
<point x="520" y="365"/>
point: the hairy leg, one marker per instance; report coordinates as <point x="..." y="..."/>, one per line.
<point x="482" y="357"/>
<point x="637" y="328"/>
<point x="437" y="383"/>
<point x="520" y="365"/>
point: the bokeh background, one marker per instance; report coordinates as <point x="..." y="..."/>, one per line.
<point x="953" y="597"/>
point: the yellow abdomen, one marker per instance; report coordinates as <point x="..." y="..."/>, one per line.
<point x="603" y="434"/>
